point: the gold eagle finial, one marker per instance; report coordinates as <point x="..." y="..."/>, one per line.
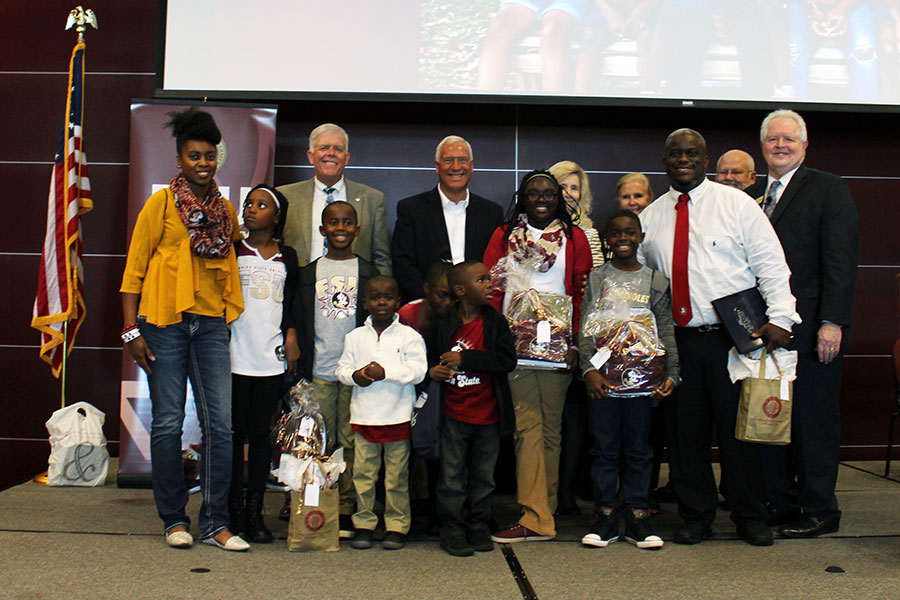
<point x="80" y="18"/>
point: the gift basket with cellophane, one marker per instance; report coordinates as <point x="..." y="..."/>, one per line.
<point x="540" y="322"/>
<point x="301" y="436"/>
<point x="636" y="365"/>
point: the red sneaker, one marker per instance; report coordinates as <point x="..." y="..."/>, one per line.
<point x="519" y="533"/>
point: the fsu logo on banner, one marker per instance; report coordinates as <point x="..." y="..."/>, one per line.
<point x="248" y="133"/>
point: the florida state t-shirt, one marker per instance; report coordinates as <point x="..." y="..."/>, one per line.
<point x="469" y="396"/>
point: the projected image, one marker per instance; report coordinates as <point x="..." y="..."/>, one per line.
<point x="823" y="50"/>
<point x="829" y="51"/>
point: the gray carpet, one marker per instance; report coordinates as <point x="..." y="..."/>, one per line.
<point x="107" y="543"/>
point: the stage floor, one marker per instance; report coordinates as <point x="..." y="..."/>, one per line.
<point x="107" y="542"/>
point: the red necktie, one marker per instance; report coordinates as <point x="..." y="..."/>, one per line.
<point x="681" y="295"/>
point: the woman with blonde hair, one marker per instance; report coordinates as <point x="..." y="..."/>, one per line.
<point x="577" y="193"/>
<point x="633" y="192"/>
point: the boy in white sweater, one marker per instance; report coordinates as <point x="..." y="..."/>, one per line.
<point x="382" y="360"/>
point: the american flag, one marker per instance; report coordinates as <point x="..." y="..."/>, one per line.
<point x="60" y="295"/>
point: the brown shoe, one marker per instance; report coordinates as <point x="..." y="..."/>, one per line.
<point x="519" y="533"/>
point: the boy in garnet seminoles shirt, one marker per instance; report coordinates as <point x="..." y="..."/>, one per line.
<point x="472" y="350"/>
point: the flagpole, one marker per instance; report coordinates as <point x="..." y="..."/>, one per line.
<point x="79" y="18"/>
<point x="65" y="359"/>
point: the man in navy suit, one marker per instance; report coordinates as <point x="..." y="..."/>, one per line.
<point x="447" y="223"/>
<point x="817" y="222"/>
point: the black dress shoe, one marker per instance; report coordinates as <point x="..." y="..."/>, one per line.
<point x="692" y="532"/>
<point x="808" y="526"/>
<point x="566" y="511"/>
<point x="755" y="533"/>
<point x="664" y="494"/>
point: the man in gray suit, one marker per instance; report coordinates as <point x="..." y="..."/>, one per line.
<point x="329" y="153"/>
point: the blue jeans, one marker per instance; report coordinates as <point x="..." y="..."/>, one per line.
<point x="468" y="456"/>
<point x="621" y="425"/>
<point x="859" y="42"/>
<point x="195" y="349"/>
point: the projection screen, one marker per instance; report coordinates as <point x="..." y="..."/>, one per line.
<point x="823" y="51"/>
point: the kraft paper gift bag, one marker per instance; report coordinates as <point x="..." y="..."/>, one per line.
<point x="764" y="413"/>
<point x="314" y="528"/>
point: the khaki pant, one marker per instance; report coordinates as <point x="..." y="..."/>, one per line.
<point x="396" y="484"/>
<point x="538" y="398"/>
<point x="333" y="398"/>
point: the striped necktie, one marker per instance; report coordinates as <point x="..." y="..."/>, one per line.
<point x="771" y="200"/>
<point x="328" y="200"/>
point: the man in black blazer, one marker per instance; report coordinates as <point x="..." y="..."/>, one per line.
<point x="447" y="223"/>
<point x="817" y="222"/>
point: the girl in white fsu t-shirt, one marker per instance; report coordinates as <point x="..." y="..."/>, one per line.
<point x="259" y="351"/>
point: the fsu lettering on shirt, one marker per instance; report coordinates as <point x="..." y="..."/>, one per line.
<point x="256" y="334"/>
<point x="335" y="315"/>
<point x="469" y="396"/>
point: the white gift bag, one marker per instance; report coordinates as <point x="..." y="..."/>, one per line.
<point x="78" y="454"/>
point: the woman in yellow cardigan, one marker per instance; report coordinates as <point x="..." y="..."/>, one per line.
<point x="179" y="292"/>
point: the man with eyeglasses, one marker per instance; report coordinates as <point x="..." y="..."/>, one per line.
<point x="447" y="223"/>
<point x="329" y="153"/>
<point x="711" y="241"/>
<point x="736" y="168"/>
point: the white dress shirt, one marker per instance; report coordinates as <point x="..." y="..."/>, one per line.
<point x="731" y="247"/>
<point x="316" y="240"/>
<point x="455" y="218"/>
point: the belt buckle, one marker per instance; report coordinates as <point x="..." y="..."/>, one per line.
<point x="707" y="328"/>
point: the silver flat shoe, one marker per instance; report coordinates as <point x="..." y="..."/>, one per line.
<point x="234" y="544"/>
<point x="179" y="539"/>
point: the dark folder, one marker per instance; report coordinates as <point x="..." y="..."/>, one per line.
<point x="741" y="314"/>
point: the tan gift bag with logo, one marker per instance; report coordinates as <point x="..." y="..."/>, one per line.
<point x="764" y="413"/>
<point x="314" y="521"/>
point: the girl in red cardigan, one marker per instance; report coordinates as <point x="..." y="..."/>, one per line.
<point x="540" y="228"/>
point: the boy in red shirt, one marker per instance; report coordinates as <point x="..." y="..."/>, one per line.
<point x="472" y="350"/>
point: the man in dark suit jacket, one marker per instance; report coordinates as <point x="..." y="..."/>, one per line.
<point x="447" y="223"/>
<point x="817" y="222"/>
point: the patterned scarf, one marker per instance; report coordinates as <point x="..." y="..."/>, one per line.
<point x="522" y="245"/>
<point x="208" y="223"/>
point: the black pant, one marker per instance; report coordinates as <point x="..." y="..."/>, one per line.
<point x="253" y="402"/>
<point x="574" y="461"/>
<point x="803" y="474"/>
<point x="707" y="398"/>
<point x="468" y="457"/>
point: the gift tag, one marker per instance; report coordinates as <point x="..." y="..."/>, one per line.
<point x="306" y="426"/>
<point x="784" y="392"/>
<point x="543" y="332"/>
<point x="600" y="357"/>
<point x="311" y="494"/>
